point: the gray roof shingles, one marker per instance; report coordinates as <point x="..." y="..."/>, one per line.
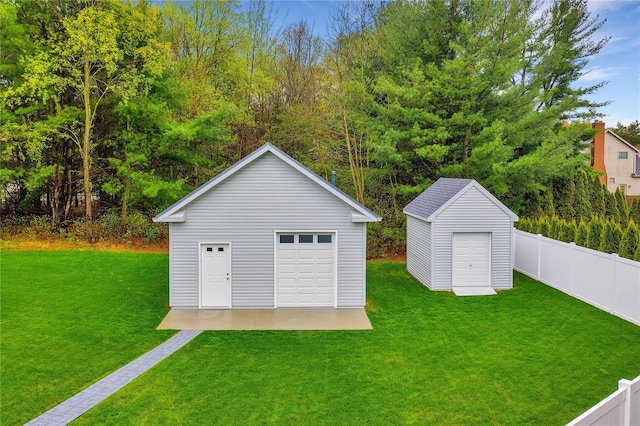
<point x="434" y="197"/>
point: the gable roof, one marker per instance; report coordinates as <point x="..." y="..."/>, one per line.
<point x="175" y="213"/>
<point x="435" y="199"/>
<point x="622" y="140"/>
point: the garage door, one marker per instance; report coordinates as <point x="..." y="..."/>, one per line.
<point x="471" y="259"/>
<point x="305" y="274"/>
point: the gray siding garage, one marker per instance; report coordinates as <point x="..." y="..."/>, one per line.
<point x="459" y="236"/>
<point x="265" y="233"/>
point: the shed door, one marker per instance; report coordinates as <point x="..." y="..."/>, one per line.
<point x="215" y="276"/>
<point x="471" y="259"/>
<point x="305" y="275"/>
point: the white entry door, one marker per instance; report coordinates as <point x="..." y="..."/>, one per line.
<point x="471" y="259"/>
<point x="305" y="265"/>
<point x="215" y="276"/>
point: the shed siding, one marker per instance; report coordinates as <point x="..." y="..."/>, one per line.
<point x="246" y="209"/>
<point x="472" y="212"/>
<point x="419" y="250"/>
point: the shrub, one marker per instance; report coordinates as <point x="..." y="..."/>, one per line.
<point x="630" y="241"/>
<point x="582" y="234"/>
<point x="610" y="241"/>
<point x="634" y="211"/>
<point x="623" y="208"/>
<point x="543" y="226"/>
<point x="567" y="231"/>
<point x="594" y="238"/>
<point x="555" y="225"/>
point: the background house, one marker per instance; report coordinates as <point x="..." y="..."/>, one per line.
<point x="617" y="159"/>
<point x="460" y="238"/>
<point x="267" y="233"/>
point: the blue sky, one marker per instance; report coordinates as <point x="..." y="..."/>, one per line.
<point x="618" y="62"/>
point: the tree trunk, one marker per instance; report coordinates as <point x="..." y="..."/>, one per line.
<point x="86" y="140"/>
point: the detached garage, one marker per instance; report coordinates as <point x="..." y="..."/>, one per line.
<point x="267" y="233"/>
<point x="460" y="238"/>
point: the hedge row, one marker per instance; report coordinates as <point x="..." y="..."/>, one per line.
<point x="600" y="234"/>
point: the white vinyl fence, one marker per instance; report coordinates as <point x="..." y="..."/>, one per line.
<point x="620" y="408"/>
<point x="605" y="281"/>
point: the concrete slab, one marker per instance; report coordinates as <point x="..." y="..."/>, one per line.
<point x="266" y="319"/>
<point x="474" y="291"/>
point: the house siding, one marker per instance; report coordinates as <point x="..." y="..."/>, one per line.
<point x="472" y="211"/>
<point x="419" y="250"/>
<point x="621" y="170"/>
<point x="245" y="210"/>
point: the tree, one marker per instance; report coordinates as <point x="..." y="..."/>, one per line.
<point x="105" y="49"/>
<point x="594" y="238"/>
<point x="582" y="234"/>
<point x="564" y="46"/>
<point x="543" y="226"/>
<point x="611" y="210"/>
<point x="568" y="231"/>
<point x="611" y="237"/>
<point x="634" y="211"/>
<point x="623" y="208"/>
<point x="597" y="195"/>
<point x="582" y="205"/>
<point x="564" y="196"/>
<point x="450" y="88"/>
<point x="206" y="39"/>
<point x="630" y="241"/>
<point x="630" y="133"/>
<point x="350" y="61"/>
<point x="35" y="131"/>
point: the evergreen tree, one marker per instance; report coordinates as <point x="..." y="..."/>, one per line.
<point x="543" y="226"/>
<point x="582" y="234"/>
<point x="594" y="238"/>
<point x="597" y="196"/>
<point x="523" y="224"/>
<point x="630" y="241"/>
<point x="568" y="231"/>
<point x="623" y="208"/>
<point x="630" y="133"/>
<point x="611" y="236"/>
<point x="548" y="203"/>
<point x="634" y="211"/>
<point x="611" y="211"/>
<point x="564" y="191"/>
<point x="555" y="228"/>
<point x="583" y="207"/>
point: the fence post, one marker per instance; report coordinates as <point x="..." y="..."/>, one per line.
<point x="539" y="266"/>
<point x="626" y="384"/>
<point x="572" y="277"/>
<point x="614" y="259"/>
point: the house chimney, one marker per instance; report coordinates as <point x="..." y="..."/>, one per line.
<point x="598" y="151"/>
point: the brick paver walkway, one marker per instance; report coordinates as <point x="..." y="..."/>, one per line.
<point x="81" y="402"/>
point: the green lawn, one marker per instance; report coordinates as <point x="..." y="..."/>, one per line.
<point x="69" y="318"/>
<point x="529" y="355"/>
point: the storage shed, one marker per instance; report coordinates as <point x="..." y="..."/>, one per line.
<point x="267" y="233"/>
<point x="460" y="238"/>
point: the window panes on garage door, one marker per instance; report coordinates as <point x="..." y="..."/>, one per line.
<point x="305" y="269"/>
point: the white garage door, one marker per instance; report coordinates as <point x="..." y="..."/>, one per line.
<point x="471" y="259"/>
<point x="305" y="274"/>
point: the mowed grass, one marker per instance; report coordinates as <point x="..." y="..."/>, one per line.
<point x="531" y="355"/>
<point x="69" y="318"/>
